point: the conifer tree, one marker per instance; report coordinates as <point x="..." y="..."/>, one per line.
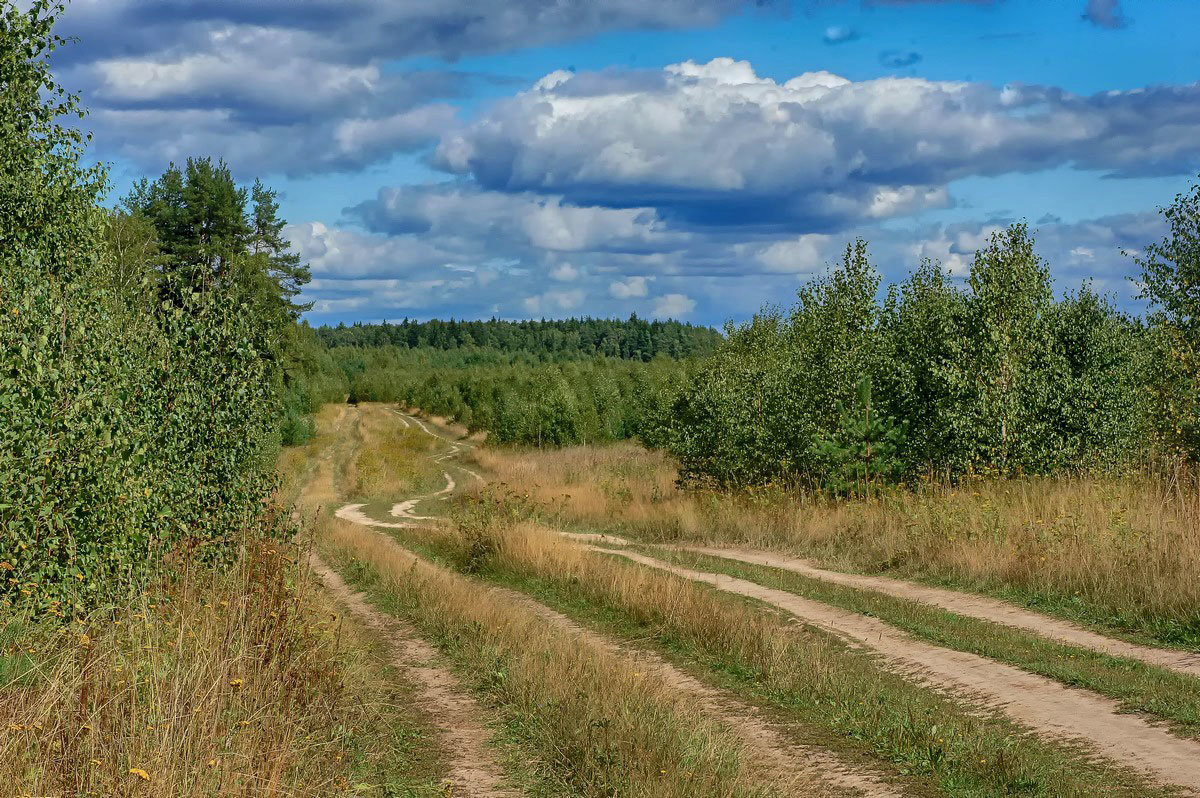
<point x="864" y="450"/>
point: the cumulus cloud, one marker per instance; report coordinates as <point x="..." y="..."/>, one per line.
<point x="315" y="74"/>
<point x="716" y="145"/>
<point x="545" y="223"/>
<point x="628" y="289"/>
<point x="362" y="29"/>
<point x="673" y="306"/>
<point x="802" y="255"/>
<point x="714" y="275"/>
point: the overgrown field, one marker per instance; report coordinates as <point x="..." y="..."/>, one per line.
<point x="517" y="644"/>
<point x="1118" y="552"/>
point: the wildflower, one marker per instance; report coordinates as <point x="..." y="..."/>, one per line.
<point x="141" y="774"/>
<point x="96" y="763"/>
<point x="236" y="682"/>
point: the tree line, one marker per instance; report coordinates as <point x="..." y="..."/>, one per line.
<point x="631" y="339"/>
<point x="847" y="391"/>
<point x="515" y="397"/>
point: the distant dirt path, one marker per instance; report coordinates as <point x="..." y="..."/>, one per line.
<point x="1034" y="701"/>
<point x="474" y="773"/>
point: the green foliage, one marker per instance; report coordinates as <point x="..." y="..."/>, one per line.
<point x="1171" y="281"/>
<point x="998" y="377"/>
<point x="514" y="397"/>
<point x="633" y="339"/>
<point x="133" y="429"/>
<point x="864" y="449"/>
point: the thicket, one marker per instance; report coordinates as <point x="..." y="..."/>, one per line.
<point x="997" y="376"/>
<point x="631" y="339"/>
<point x="140" y="353"/>
<point x="513" y="396"/>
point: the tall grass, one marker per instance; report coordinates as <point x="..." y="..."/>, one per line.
<point x="390" y="465"/>
<point x="1122" y="552"/>
<point x="838" y="694"/>
<point x="599" y="727"/>
<point x="230" y="683"/>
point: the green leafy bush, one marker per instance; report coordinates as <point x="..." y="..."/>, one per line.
<point x="134" y="428"/>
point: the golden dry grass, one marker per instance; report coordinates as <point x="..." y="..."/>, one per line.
<point x="223" y="684"/>
<point x="602" y="727"/>
<point x="390" y="464"/>
<point x="245" y="681"/>
<point x="1120" y="550"/>
<point x="836" y="694"/>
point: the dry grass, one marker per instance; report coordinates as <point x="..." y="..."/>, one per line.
<point x="389" y="465"/>
<point x="245" y="681"/>
<point x="836" y="694"/>
<point x="1124" y="552"/>
<point x="221" y="684"/>
<point x="600" y="727"/>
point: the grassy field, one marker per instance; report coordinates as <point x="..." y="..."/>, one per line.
<point x="1121" y="554"/>
<point x="825" y="695"/>
<point x="479" y="650"/>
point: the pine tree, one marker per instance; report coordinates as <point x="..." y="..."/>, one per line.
<point x="284" y="267"/>
<point x="865" y="448"/>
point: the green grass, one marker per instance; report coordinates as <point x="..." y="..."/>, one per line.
<point x="1163" y="693"/>
<point x="856" y="708"/>
<point x="528" y="739"/>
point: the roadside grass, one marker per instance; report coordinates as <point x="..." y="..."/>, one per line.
<point x="390" y="464"/>
<point x="585" y="722"/>
<point x="235" y="682"/>
<point x="842" y="697"/>
<point x="1119" y="554"/>
<point x="1139" y="687"/>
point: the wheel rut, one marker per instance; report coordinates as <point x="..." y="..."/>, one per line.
<point x="968" y="604"/>
<point x="1040" y="704"/>
<point x="473" y="771"/>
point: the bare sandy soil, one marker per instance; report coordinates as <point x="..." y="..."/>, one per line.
<point x="1038" y="703"/>
<point x="971" y="605"/>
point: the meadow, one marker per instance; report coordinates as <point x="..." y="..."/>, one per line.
<point x="935" y="538"/>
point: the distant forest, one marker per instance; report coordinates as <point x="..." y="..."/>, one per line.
<point x="631" y="339"/>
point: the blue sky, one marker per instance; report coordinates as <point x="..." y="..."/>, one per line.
<point x="686" y="158"/>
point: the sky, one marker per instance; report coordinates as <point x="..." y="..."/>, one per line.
<point x="689" y="159"/>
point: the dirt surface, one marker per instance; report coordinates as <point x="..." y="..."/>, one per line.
<point x="474" y="772"/>
<point x="802" y="770"/>
<point x="804" y="767"/>
<point x="1038" y="703"/>
<point x="968" y="604"/>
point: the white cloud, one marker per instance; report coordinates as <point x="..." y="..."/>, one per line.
<point x="673" y="306"/>
<point x="714" y="144"/>
<point x="803" y="255"/>
<point x="628" y="289"/>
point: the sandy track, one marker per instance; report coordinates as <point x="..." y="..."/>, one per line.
<point x="971" y="605"/>
<point x="474" y="773"/>
<point x="776" y="755"/>
<point x="813" y="771"/>
<point x="1038" y="703"/>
